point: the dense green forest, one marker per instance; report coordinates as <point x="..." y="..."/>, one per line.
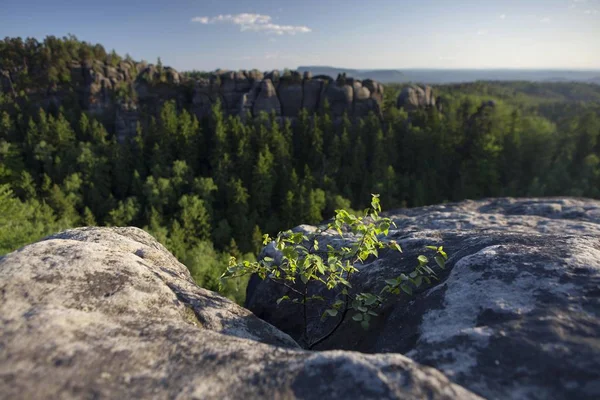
<point x="209" y="188"/>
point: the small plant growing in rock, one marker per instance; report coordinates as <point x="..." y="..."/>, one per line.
<point x="304" y="262"/>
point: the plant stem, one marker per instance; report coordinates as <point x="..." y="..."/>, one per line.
<point x="304" y="312"/>
<point x="346" y="300"/>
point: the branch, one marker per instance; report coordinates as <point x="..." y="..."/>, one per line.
<point x="346" y="301"/>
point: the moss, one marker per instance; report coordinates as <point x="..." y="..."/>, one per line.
<point x="190" y="316"/>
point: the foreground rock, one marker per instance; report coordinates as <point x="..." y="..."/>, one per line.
<point x="517" y="312"/>
<point x="109" y="313"/>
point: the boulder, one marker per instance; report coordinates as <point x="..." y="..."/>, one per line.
<point x="415" y="97"/>
<point x="340" y="97"/>
<point x="267" y="100"/>
<point x="311" y="94"/>
<point x="361" y="93"/>
<point x="516" y="313"/>
<point x="290" y="94"/>
<point x="110" y="313"/>
<point x="375" y="88"/>
<point x="172" y="76"/>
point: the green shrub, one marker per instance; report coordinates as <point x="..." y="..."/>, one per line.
<point x="304" y="263"/>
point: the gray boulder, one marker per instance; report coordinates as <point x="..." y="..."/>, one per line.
<point x="516" y="313"/>
<point x="312" y="92"/>
<point x="375" y="88"/>
<point x="267" y="100"/>
<point x="340" y="97"/>
<point x="290" y="95"/>
<point x="109" y="313"/>
<point x="415" y="97"/>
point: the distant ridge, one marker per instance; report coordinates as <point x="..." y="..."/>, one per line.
<point x="381" y="75"/>
<point x="441" y="76"/>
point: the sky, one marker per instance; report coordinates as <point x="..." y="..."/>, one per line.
<point x="362" y="34"/>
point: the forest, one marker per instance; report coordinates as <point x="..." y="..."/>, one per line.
<point x="209" y="188"/>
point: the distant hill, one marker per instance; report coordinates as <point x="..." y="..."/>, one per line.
<point x="381" y="75"/>
<point x="441" y="76"/>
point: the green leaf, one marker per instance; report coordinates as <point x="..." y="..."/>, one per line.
<point x="417" y="281"/>
<point x="371" y="300"/>
<point x="282" y="299"/>
<point x="440" y="261"/>
<point x="422" y="259"/>
<point x="429" y="270"/>
<point x="406" y="289"/>
<point x="304" y="278"/>
<point x="357" y="317"/>
<point x="266" y="239"/>
<point x="365" y="325"/>
<point x="391" y="282"/>
<point x="362" y="309"/>
<point x="268" y="259"/>
<point x="432" y="248"/>
<point x="331" y="312"/>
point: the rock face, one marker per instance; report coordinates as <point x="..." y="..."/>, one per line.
<point x="109" y="313"/>
<point x="287" y="95"/>
<point x="414" y="97"/>
<point x="119" y="94"/>
<point x="516" y="313"/>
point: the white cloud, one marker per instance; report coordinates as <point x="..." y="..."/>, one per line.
<point x="546" y="20"/>
<point x="482" y="32"/>
<point x="591" y="12"/>
<point x="254" y="23"/>
<point x="502" y="16"/>
<point x="202" y="20"/>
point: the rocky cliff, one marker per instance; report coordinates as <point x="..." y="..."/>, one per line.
<point x="516" y="314"/>
<point x="108" y="313"/>
<point x="118" y="93"/>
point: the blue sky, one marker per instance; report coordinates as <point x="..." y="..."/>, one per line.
<point x="265" y="34"/>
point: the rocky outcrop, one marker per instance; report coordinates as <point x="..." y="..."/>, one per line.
<point x="415" y="97"/>
<point x="287" y="95"/>
<point x="121" y="93"/>
<point x="266" y="99"/>
<point x="516" y="314"/>
<point x="109" y="313"/>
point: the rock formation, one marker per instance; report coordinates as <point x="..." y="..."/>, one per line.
<point x="109" y="313"/>
<point x="118" y="94"/>
<point x="516" y="314"/>
<point x="286" y="95"/>
<point x="414" y="97"/>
